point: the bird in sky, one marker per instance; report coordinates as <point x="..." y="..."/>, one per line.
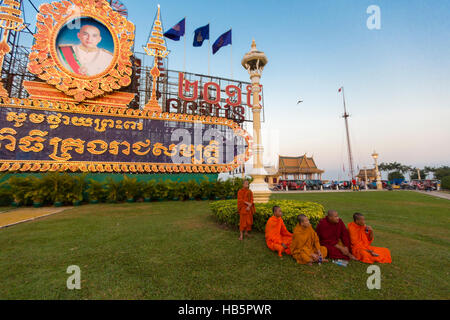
<point x="300" y="101"/>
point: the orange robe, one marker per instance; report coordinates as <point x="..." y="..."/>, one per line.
<point x="360" y="244"/>
<point x="305" y="242"/>
<point x="246" y="216"/>
<point x="276" y="234"/>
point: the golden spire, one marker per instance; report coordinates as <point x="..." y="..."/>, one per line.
<point x="156" y="47"/>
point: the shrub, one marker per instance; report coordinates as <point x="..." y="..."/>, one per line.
<point x="96" y="191"/>
<point x="445" y="183"/>
<point x="40" y="190"/>
<point x="6" y="197"/>
<point x="60" y="186"/>
<point x="206" y="189"/>
<point x="161" y="191"/>
<point x="148" y="189"/>
<point x="131" y="187"/>
<point x="193" y="190"/>
<point x="20" y="187"/>
<point x="79" y="187"/>
<point x="225" y="212"/>
<point x="114" y="190"/>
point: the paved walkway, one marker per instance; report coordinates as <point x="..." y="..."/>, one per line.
<point x="437" y="194"/>
<point x="21" y="215"/>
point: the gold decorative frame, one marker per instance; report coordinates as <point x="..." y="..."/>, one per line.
<point x="121" y="167"/>
<point x="44" y="62"/>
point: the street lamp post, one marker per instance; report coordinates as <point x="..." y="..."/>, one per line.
<point x="379" y="184"/>
<point x="365" y="176"/>
<point x="254" y="62"/>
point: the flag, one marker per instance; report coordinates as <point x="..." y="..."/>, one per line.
<point x="222" y="41"/>
<point x="200" y="35"/>
<point x="176" y="31"/>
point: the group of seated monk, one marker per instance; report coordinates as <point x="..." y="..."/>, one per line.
<point x="330" y="240"/>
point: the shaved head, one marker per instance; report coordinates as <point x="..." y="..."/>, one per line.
<point x="333" y="216"/>
<point x="332" y="213"/>
<point x="277" y="211"/>
<point x="359" y="219"/>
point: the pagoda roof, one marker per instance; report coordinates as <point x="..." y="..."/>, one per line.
<point x="371" y="173"/>
<point x="300" y="165"/>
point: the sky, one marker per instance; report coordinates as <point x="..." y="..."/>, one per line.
<point x="396" y="79"/>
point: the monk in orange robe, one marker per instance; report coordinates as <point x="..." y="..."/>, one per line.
<point x="246" y="209"/>
<point x="278" y="238"/>
<point x="305" y="246"/>
<point x="361" y="237"/>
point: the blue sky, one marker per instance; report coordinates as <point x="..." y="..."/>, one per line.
<point x="396" y="79"/>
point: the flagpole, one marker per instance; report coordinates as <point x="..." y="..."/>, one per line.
<point x="349" y="147"/>
<point x="209" y="50"/>
<point x="231" y="54"/>
<point x="184" y="63"/>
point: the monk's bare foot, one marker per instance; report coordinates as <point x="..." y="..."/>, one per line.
<point x="309" y="263"/>
<point x="352" y="257"/>
<point x="247" y="235"/>
<point x="241" y="238"/>
<point x="324" y="260"/>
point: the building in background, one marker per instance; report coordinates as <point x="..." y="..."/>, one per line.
<point x="299" y="168"/>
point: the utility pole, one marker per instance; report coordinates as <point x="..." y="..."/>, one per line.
<point x="350" y="155"/>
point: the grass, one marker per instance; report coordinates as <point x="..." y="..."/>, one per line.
<point x="175" y="250"/>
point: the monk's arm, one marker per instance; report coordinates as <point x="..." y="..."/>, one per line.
<point x="316" y="242"/>
<point x="354" y="239"/>
<point x="370" y="235"/>
<point x="285" y="231"/>
<point x="345" y="237"/>
<point x="241" y="201"/>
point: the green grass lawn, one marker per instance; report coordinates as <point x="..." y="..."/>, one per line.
<point x="176" y="251"/>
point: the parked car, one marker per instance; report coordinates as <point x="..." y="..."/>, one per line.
<point x="313" y="184"/>
<point x="328" y="186"/>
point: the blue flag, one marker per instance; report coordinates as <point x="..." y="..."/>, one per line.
<point x="200" y="35"/>
<point x="177" y="31"/>
<point x="222" y="41"/>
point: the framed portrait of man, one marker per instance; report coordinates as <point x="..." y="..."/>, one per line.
<point x="85" y="47"/>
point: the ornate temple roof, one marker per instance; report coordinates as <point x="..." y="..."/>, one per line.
<point x="298" y="165"/>
<point x="371" y="174"/>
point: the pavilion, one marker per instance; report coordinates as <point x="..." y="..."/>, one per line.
<point x="294" y="168"/>
<point x="371" y="175"/>
<point x="301" y="168"/>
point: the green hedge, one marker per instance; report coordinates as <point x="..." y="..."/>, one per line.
<point x="63" y="188"/>
<point x="226" y="212"/>
<point x="445" y="183"/>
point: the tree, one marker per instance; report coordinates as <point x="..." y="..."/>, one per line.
<point x="446" y="183"/>
<point x="413" y="174"/>
<point x="441" y="172"/>
<point x="395" y="175"/>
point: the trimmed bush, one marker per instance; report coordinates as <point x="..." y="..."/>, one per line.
<point x="445" y="183"/>
<point x="6" y="197"/>
<point x="60" y="188"/>
<point x="225" y="212"/>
